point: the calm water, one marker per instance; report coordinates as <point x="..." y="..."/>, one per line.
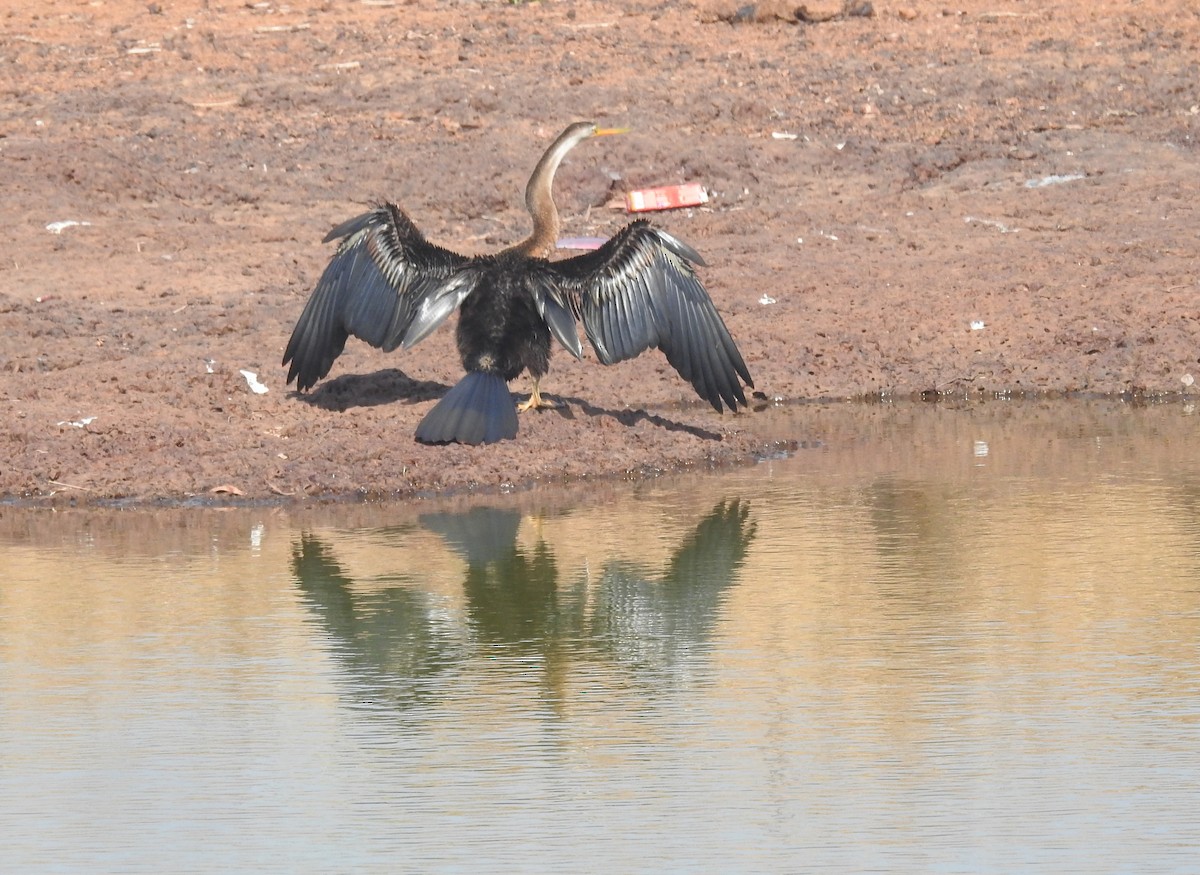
<point x="932" y="640"/>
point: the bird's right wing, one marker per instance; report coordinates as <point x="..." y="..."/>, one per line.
<point x="637" y="292"/>
<point x="385" y="284"/>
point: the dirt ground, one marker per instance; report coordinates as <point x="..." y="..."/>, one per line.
<point x="972" y="198"/>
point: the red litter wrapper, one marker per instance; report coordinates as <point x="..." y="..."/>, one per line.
<point x="668" y="197"/>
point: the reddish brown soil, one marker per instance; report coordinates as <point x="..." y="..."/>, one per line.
<point x="208" y="146"/>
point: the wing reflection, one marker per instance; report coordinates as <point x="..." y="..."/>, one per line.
<point x="391" y="638"/>
<point x="659" y="620"/>
<point x="398" y="636"/>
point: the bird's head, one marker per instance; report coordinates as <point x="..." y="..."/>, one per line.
<point x="580" y="131"/>
<point x="537" y="193"/>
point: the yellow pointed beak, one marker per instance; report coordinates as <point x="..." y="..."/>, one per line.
<point x="604" y="132"/>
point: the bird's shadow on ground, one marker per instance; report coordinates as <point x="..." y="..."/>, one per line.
<point x="629" y="418"/>
<point x="392" y="385"/>
<point x="370" y="390"/>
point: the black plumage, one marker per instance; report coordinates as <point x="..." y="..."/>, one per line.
<point x="389" y="286"/>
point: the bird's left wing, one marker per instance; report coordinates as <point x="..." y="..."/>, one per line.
<point x="638" y="291"/>
<point x="384" y="277"/>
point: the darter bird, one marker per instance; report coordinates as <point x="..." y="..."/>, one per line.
<point x="387" y="285"/>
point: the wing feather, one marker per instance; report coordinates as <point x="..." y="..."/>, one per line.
<point x="639" y="291"/>
<point x="556" y="312"/>
<point x="374" y="286"/>
<point x="701" y="371"/>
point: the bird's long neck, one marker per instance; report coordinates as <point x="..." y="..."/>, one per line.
<point x="540" y="201"/>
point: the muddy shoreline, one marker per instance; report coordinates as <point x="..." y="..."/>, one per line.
<point x="939" y="204"/>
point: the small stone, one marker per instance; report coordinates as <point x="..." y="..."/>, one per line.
<point x="817" y="11"/>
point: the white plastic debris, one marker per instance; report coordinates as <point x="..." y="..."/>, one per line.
<point x="766" y="300"/>
<point x="252" y="381"/>
<point x="784" y="135"/>
<point x="978" y="325"/>
<point x="59" y="227"/>
<point x="1187" y="380"/>
<point x="980" y="449"/>
<point x="990" y="223"/>
<point x="79" y="423"/>
<point x="1054" y="179"/>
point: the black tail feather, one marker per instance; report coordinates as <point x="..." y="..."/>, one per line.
<point x="477" y="410"/>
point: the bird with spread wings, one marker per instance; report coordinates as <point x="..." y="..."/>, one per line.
<point x="389" y="286"/>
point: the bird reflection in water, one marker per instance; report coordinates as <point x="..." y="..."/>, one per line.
<point x="396" y="639"/>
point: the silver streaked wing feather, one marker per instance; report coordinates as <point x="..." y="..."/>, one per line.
<point x="638" y="291"/>
<point x="556" y="310"/>
<point x="436" y="305"/>
<point x="374" y="286"/>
